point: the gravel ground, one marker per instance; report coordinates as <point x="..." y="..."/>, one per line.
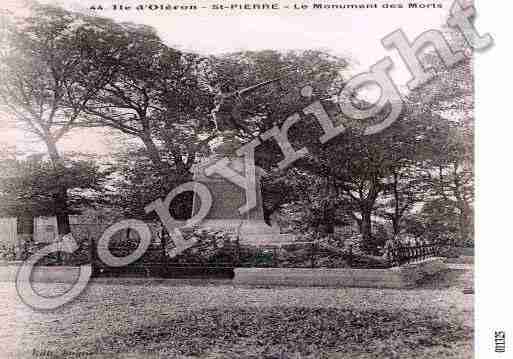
<point x="111" y="320"/>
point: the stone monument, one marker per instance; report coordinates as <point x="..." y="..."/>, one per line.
<point x="227" y="197"/>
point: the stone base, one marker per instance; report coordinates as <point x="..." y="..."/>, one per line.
<point x="251" y="232"/>
<point x="229" y="199"/>
<point x="267" y="240"/>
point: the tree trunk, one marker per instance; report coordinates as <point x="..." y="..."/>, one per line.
<point x="62" y="214"/>
<point x="465" y="224"/>
<point x="464" y="216"/>
<point x="53" y="153"/>
<point x="183" y="208"/>
<point x="152" y="150"/>
<point x="395" y="225"/>
<point x="397" y="214"/>
<point x="366" y="226"/>
<point x="60" y="197"/>
<point x="358" y="221"/>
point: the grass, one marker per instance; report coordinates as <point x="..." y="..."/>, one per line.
<point x="218" y="320"/>
<point x="291" y="332"/>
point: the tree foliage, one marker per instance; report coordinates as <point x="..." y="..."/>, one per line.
<point x="61" y="70"/>
<point x="29" y="187"/>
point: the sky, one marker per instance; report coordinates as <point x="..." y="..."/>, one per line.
<point x="353" y="33"/>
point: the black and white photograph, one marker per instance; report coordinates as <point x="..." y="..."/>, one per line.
<point x="208" y="179"/>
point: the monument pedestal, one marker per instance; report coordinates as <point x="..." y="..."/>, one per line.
<point x="227" y="198"/>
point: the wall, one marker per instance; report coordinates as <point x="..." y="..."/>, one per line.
<point x="406" y="276"/>
<point x="8" y="231"/>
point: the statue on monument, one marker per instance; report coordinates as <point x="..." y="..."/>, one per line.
<point x="228" y="113"/>
<point x="229" y="198"/>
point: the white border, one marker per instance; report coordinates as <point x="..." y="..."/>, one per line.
<point x="494" y="252"/>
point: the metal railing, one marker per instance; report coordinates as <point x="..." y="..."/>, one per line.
<point x="409" y="253"/>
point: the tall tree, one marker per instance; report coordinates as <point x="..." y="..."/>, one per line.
<point x="377" y="175"/>
<point x="136" y="184"/>
<point x="46" y="82"/>
<point x="450" y="95"/>
<point x="27" y="186"/>
<point x="270" y="105"/>
<point x="405" y="189"/>
<point x="154" y="97"/>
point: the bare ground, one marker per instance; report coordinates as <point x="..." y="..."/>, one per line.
<point x="180" y="319"/>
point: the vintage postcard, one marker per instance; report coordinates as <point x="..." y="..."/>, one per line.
<point x="239" y="179"/>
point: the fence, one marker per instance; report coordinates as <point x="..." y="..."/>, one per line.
<point x="156" y="263"/>
<point x="403" y="254"/>
<point x="315" y="255"/>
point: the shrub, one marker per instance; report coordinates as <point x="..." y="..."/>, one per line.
<point x="449" y="252"/>
<point x="212" y="246"/>
<point x="7" y="252"/>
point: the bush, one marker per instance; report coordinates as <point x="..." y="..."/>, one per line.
<point x="212" y="246"/>
<point x="297" y="255"/>
<point x="261" y="259"/>
<point x="78" y="257"/>
<point x="467" y="243"/>
<point x="7" y="252"/>
<point x="449" y="252"/>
